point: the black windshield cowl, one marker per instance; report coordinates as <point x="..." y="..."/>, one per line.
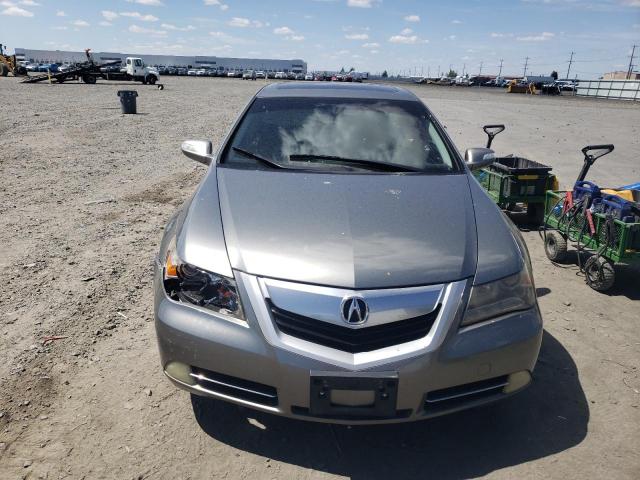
<point x="367" y="164"/>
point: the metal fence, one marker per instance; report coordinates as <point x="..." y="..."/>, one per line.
<point x="612" y="89"/>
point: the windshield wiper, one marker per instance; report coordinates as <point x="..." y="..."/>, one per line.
<point x="382" y="166"/>
<point x="255" y="156"/>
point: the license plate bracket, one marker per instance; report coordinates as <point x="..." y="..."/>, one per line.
<point x="384" y="388"/>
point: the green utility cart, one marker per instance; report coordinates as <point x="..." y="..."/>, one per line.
<point x="515" y="183"/>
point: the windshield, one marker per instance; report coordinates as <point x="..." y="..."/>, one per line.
<point x="330" y="133"/>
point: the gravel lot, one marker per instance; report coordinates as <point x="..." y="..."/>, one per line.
<point x="86" y="193"/>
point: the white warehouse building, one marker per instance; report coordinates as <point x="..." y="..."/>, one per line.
<point x="218" y="63"/>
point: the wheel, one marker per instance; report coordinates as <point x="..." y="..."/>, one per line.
<point x="535" y="213"/>
<point x="600" y="273"/>
<point x="89" y="79"/>
<point x="555" y="246"/>
<point x="61" y="79"/>
<point x="152" y="80"/>
<point x="4" y="71"/>
<point x="22" y="71"/>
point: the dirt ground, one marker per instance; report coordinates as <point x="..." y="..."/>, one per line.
<point x="85" y="194"/>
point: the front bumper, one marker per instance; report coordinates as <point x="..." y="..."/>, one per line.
<point x="233" y="361"/>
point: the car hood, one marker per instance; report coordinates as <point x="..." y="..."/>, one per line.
<point x="358" y="231"/>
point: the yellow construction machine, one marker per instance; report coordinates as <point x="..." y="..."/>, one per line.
<point x="9" y="64"/>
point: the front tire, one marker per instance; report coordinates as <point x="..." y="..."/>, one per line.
<point x="89" y="79"/>
<point x="152" y="80"/>
<point x="4" y="71"/>
<point x="555" y="246"/>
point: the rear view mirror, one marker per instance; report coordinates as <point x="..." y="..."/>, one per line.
<point x="198" y="150"/>
<point x="476" y="158"/>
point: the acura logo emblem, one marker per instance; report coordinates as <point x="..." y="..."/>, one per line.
<point x="354" y="310"/>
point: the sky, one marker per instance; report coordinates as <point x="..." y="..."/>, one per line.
<point x="417" y="37"/>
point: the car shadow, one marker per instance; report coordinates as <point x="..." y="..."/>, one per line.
<point x="550" y="416"/>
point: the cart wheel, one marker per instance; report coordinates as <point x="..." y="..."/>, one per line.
<point x="600" y="273"/>
<point x="555" y="246"/>
<point x="89" y="79"/>
<point x="535" y="213"/>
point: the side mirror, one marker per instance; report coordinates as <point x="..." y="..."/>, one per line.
<point x="476" y="158"/>
<point x="198" y="150"/>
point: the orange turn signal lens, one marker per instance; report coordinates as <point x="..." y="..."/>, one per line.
<point x="171" y="265"/>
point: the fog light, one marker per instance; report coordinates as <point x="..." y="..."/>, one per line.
<point x="180" y="371"/>
<point x="517" y="381"/>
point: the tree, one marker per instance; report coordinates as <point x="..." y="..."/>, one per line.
<point x="452" y="74"/>
<point x="385" y="74"/>
<point x="554" y="74"/>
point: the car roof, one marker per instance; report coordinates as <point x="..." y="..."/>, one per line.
<point x="336" y="90"/>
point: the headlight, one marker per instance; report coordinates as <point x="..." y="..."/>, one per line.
<point x="497" y="298"/>
<point x="186" y="283"/>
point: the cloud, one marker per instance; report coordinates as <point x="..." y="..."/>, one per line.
<point x="500" y="35"/>
<point x="60" y="13"/>
<point x="15" y="11"/>
<point x="357" y="36"/>
<point x="406" y="31"/>
<point x="104" y="23"/>
<point x="29" y="3"/>
<point x="360" y="3"/>
<point x="295" y="38"/>
<point x="149" y="3"/>
<point x="370" y="45"/>
<point x="139" y="16"/>
<point x="412" y="18"/>
<point x="245" y="22"/>
<point x="81" y="23"/>
<point x="283" y="31"/>
<point x="543" y="37"/>
<point x="109" y="15"/>
<point x="631" y="3"/>
<point x="374" y="51"/>
<point x="149" y="31"/>
<point x="60" y="28"/>
<point x="170" y="26"/>
<point x="451" y="37"/>
<point x="406" y="39"/>
<point x="456" y="22"/>
<point x="216" y="3"/>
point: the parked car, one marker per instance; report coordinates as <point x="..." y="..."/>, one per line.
<point x="566" y="85"/>
<point x="260" y="74"/>
<point x="308" y="76"/>
<point x="249" y="75"/>
<point x="299" y="76"/>
<point x="344" y="275"/>
<point x="271" y="74"/>
<point x="201" y="73"/>
<point x="280" y="75"/>
<point x="182" y="71"/>
<point x="191" y="72"/>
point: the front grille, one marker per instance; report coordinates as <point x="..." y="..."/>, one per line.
<point x="352" y="340"/>
<point x="235" y="387"/>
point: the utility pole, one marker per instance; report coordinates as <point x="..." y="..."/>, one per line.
<point x="500" y="73"/>
<point x="631" y="65"/>
<point x="569" y="67"/>
<point x="429" y="71"/>
<point x="526" y="63"/>
<point x="480" y="72"/>
<point x="438" y="71"/>
<point x="464" y="67"/>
